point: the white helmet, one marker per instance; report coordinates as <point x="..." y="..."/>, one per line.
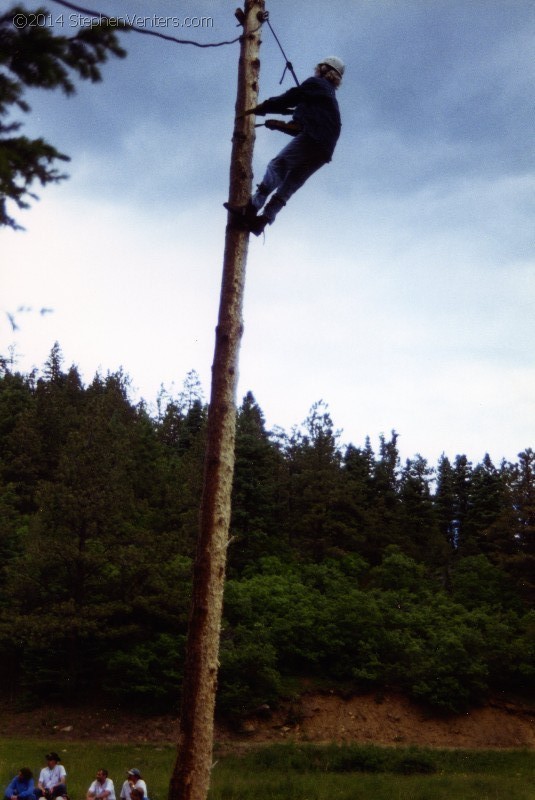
<point x="335" y="63"/>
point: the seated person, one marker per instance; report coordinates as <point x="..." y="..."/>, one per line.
<point x="52" y="778"/>
<point x="133" y="781"/>
<point x="21" y="787"/>
<point x="102" y="787"/>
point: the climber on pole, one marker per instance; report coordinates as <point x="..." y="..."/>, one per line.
<point x="315" y="126"/>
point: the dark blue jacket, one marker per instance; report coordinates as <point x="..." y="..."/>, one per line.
<point x="315" y="109"/>
<point x="24" y="789"/>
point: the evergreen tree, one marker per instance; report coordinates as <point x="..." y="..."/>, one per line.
<point x="462" y="487"/>
<point x="524" y="502"/>
<point x="69" y="569"/>
<point x="98" y="519"/>
<point x="182" y="432"/>
<point x="488" y="500"/>
<point x="314" y="462"/>
<point x="444" y="500"/>
<point x="386" y="502"/>
<point x="85" y="585"/>
<point x="35" y="56"/>
<point x="57" y="398"/>
<point x="420" y="535"/>
<point x="511" y="536"/>
<point x="257" y="499"/>
<point x="357" y="499"/>
<point x="18" y="442"/>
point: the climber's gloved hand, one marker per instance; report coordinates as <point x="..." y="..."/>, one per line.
<point x="258" y="110"/>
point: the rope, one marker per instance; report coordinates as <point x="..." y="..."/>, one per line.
<point x="289" y="65"/>
<point x="147" y="31"/>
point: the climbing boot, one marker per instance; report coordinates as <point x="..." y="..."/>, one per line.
<point x="257" y="224"/>
<point x="273" y="207"/>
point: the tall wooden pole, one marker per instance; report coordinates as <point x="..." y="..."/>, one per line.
<point x="191" y="775"/>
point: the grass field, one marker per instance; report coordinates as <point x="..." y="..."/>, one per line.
<point x="293" y="772"/>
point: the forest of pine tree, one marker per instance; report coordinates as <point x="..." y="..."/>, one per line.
<point x="345" y="566"/>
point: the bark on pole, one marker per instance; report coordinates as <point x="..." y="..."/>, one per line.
<point x="191" y="775"/>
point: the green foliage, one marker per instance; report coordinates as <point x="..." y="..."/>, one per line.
<point x="34" y="56"/>
<point x="399" y="631"/>
<point x="248" y="676"/>
<point x="343" y="566"/>
<point x="477" y="582"/>
<point x="148" y="673"/>
<point x="257" y="501"/>
<point x="81" y="586"/>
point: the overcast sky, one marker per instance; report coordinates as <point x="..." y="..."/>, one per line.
<point x="397" y="285"/>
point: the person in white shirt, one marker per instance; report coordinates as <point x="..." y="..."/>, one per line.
<point x="102" y="787"/>
<point x="133" y="781"/>
<point x="52" y="779"/>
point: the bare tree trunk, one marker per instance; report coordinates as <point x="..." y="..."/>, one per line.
<point x="191" y="775"/>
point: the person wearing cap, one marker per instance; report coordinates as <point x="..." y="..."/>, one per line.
<point x="21" y="787"/>
<point x="52" y="778"/>
<point x="102" y="787"/>
<point x="316" y="127"/>
<point x="133" y="781"/>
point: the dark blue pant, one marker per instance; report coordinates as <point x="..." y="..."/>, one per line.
<point x="289" y="170"/>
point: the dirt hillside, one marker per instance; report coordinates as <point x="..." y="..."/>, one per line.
<point x="394" y="720"/>
<point x="313" y="718"/>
